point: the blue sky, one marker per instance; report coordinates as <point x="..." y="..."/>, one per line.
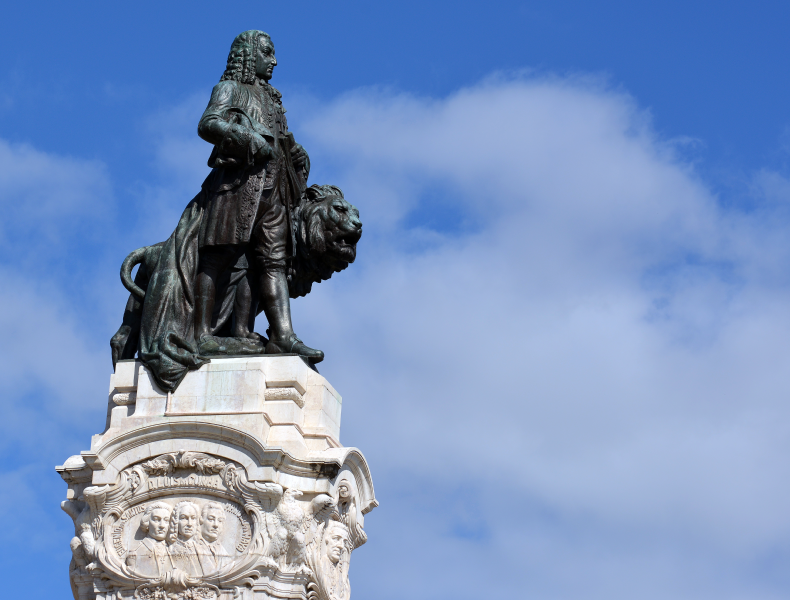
<point x="563" y="348"/>
<point x="707" y="69"/>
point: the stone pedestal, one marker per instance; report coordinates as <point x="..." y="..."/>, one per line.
<point x="234" y="486"/>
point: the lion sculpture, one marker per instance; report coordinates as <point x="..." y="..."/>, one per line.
<point x="327" y="229"/>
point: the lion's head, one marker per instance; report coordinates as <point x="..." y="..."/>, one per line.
<point x="327" y="231"/>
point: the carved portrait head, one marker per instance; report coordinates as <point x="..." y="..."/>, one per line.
<point x="212" y="521"/>
<point x="345" y="498"/>
<point x="344" y="489"/>
<point x="336" y="538"/>
<point x="244" y="57"/>
<point x="184" y="521"/>
<point x="156" y="520"/>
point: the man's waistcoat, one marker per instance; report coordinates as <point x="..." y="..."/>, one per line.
<point x="236" y="184"/>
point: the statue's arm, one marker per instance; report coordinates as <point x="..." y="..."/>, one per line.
<point x="300" y="158"/>
<point x="232" y="138"/>
<point x="212" y="126"/>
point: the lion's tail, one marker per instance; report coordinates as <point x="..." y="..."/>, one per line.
<point x="135" y="258"/>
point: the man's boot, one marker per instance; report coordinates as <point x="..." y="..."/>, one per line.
<point x="277" y="308"/>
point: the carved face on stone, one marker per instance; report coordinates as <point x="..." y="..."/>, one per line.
<point x="186" y="520"/>
<point x="159" y="523"/>
<point x="335" y="537"/>
<point x="265" y="61"/>
<point x="343" y="491"/>
<point x="212" y="520"/>
<point x="156" y="521"/>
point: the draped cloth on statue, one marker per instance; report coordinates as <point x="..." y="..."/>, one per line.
<point x="167" y="340"/>
<point x="167" y="344"/>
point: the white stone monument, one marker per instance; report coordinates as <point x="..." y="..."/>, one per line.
<point x="235" y="487"/>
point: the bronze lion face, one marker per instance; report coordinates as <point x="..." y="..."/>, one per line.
<point x="328" y="231"/>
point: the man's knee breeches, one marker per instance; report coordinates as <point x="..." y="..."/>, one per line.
<point x="267" y="249"/>
<point x="269" y="243"/>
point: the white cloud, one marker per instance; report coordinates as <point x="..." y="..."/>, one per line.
<point x="44" y="345"/>
<point x="48" y="197"/>
<point x="601" y="340"/>
<point x="56" y="210"/>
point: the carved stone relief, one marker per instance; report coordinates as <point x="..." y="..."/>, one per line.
<point x="329" y="561"/>
<point x="186" y="525"/>
<point x="348" y="511"/>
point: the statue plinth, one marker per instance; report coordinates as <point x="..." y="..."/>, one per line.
<point x="233" y="486"/>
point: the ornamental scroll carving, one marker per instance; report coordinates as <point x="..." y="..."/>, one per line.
<point x="167" y="463"/>
<point x="186" y="525"/>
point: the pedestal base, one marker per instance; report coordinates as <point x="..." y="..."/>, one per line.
<point x="235" y="486"/>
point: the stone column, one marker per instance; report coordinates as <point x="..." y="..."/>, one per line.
<point x="234" y="486"/>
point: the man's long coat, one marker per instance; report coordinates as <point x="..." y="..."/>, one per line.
<point x="237" y="118"/>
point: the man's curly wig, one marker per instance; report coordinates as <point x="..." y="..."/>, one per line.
<point x="242" y="56"/>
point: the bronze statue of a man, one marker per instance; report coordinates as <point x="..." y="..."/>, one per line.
<point x="258" y="174"/>
<point x="253" y="237"/>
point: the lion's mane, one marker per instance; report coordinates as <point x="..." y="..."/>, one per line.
<point x="327" y="231"/>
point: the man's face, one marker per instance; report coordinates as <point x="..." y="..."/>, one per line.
<point x="159" y="523"/>
<point x="265" y="61"/>
<point x="211" y="524"/>
<point x="187" y="522"/>
<point x="343" y="491"/>
<point x="335" y="544"/>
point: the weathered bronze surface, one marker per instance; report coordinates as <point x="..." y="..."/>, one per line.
<point x="255" y="236"/>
